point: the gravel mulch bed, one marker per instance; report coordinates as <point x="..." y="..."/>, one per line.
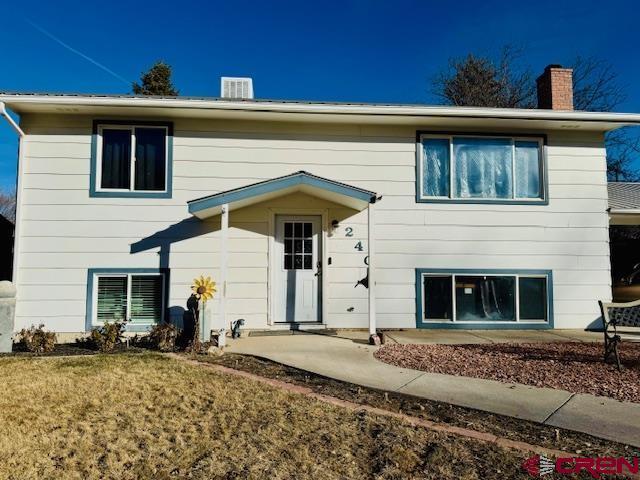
<point x="575" y="367"/>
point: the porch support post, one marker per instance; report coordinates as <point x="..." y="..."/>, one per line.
<point x="373" y="335"/>
<point x="224" y="261"/>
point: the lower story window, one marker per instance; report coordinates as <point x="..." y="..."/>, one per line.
<point x="135" y="297"/>
<point x="486" y="297"/>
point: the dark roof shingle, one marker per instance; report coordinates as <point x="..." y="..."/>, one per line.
<point x="624" y="195"/>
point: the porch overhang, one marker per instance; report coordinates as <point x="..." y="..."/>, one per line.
<point x="624" y="217"/>
<point x="624" y="203"/>
<point x="337" y="192"/>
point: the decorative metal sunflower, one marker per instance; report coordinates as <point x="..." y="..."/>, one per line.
<point x="203" y="288"/>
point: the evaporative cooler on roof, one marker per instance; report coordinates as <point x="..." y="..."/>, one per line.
<point x="236" y="87"/>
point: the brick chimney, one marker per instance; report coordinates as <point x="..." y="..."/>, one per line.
<point x="555" y="88"/>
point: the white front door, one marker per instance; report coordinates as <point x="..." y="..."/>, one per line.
<point x="298" y="267"/>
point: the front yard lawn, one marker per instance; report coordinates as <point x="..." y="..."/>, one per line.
<point x="149" y="416"/>
<point x="575" y="367"/>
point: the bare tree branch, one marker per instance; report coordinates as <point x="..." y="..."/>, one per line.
<point x="482" y="82"/>
<point x="8" y="204"/>
<point x="596" y="88"/>
<point x="595" y="85"/>
<point x="623" y="151"/>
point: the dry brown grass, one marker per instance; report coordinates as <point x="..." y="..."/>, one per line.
<point x="147" y="416"/>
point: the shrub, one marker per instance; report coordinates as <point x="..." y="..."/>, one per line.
<point x="36" y="340"/>
<point x="106" y="337"/>
<point x="163" y="336"/>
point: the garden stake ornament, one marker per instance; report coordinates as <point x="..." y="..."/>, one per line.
<point x="203" y="290"/>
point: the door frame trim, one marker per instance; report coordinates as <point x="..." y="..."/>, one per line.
<point x="271" y="261"/>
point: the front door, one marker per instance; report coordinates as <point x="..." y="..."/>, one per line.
<point x="298" y="269"/>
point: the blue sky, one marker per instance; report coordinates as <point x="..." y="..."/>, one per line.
<point x="358" y="50"/>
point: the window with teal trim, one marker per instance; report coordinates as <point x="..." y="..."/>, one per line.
<point x="492" y="298"/>
<point x="131" y="159"/>
<point x="135" y="298"/>
<point x="483" y="168"/>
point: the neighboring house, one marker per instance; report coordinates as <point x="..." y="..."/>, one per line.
<point x="467" y="217"/>
<point x="6" y="248"/>
<point x="624" y="221"/>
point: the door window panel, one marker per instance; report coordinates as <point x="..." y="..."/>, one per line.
<point x="298" y="245"/>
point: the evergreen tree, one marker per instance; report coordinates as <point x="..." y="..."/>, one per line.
<point x="156" y="81"/>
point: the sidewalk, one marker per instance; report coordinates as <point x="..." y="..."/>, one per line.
<point x="348" y="358"/>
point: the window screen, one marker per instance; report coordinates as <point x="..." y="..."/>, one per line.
<point x="146" y="298"/>
<point x="150" y="159"/>
<point x="116" y="159"/>
<point x="533" y="298"/>
<point x="437" y="298"/>
<point x="112" y="299"/>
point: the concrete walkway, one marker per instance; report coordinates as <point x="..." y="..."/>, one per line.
<point x="347" y="357"/>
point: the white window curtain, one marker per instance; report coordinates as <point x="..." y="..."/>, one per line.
<point x="483" y="167"/>
<point x="527" y="169"/>
<point x="435" y="167"/>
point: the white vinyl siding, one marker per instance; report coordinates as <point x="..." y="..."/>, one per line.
<point x="64" y="231"/>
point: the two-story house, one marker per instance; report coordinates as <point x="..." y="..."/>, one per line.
<point x="311" y="214"/>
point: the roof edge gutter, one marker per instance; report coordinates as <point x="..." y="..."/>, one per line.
<point x="624" y="211"/>
<point x="335" y="109"/>
<point x="12" y="122"/>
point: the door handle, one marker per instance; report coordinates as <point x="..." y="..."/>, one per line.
<point x="319" y="267"/>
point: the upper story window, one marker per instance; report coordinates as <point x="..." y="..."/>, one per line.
<point x="131" y="160"/>
<point x="481" y="168"/>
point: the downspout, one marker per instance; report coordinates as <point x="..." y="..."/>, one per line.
<point x="16" y="230"/>
<point x="12" y="122"/>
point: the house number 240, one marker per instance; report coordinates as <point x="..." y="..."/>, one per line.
<point x="348" y="232"/>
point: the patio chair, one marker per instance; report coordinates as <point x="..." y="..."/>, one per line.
<point x="614" y="317"/>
